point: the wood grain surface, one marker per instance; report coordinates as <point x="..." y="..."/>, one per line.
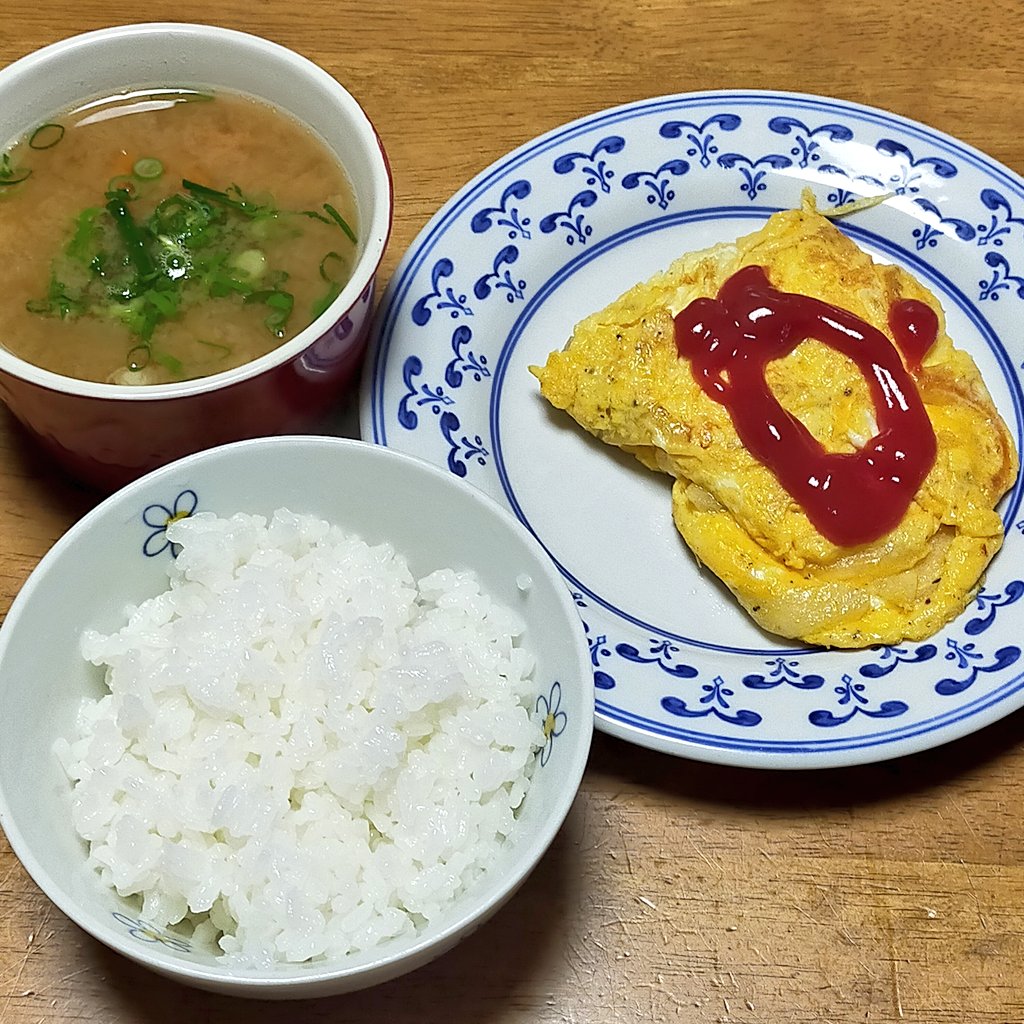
<point x="676" y="891"/>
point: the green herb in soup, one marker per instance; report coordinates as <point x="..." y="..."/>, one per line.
<point x="10" y="174"/>
<point x="198" y="244"/>
<point x="143" y="265"/>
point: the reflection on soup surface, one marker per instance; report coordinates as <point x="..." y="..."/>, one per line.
<point x="170" y="234"/>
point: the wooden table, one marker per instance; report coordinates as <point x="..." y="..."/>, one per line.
<point x="676" y="890"/>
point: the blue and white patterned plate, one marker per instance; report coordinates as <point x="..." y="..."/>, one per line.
<point x="566" y="223"/>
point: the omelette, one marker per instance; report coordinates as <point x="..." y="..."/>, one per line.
<point x="626" y="376"/>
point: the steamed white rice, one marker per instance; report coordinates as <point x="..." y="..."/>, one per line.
<point x="304" y="751"/>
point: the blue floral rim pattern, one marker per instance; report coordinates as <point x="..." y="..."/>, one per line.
<point x="445" y="381"/>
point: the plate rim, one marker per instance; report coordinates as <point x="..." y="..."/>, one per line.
<point x="1006" y="699"/>
<point x="586" y="121"/>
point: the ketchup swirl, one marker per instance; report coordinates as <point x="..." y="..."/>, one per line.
<point x="850" y="498"/>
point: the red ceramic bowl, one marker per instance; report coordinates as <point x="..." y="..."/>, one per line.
<point x="108" y="434"/>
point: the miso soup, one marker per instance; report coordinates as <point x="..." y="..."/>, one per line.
<point x="169" y="234"/>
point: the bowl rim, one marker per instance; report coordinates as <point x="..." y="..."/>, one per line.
<point x="360" y="283"/>
<point x="237" y="980"/>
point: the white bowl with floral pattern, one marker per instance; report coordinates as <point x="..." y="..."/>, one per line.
<point x="117" y="555"/>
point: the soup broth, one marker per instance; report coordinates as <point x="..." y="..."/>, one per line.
<point x="166" y="235"/>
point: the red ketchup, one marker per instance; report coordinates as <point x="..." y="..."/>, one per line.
<point x="914" y="327"/>
<point x="850" y="498"/>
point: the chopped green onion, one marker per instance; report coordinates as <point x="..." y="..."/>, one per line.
<point x="214" y="195"/>
<point x="81" y="246"/>
<point x="328" y="264"/>
<point x="138" y="358"/>
<point x="223" y="284"/>
<point x="123" y="183"/>
<point x="9" y="174"/>
<point x="280" y="303"/>
<point x="165" y="303"/>
<point x="280" y="300"/>
<point x="252" y="263"/>
<point x="323" y="303"/>
<point x="168" y="362"/>
<point x="148" y="168"/>
<point x="200" y="242"/>
<point x="174" y="258"/>
<point x="57" y="302"/>
<point x="333" y="217"/>
<point x="332" y="268"/>
<point x="46" y="136"/>
<point x="133" y="238"/>
<point x="224" y="350"/>
<point x="341" y="222"/>
<point x="7" y="182"/>
<point x="205" y="192"/>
